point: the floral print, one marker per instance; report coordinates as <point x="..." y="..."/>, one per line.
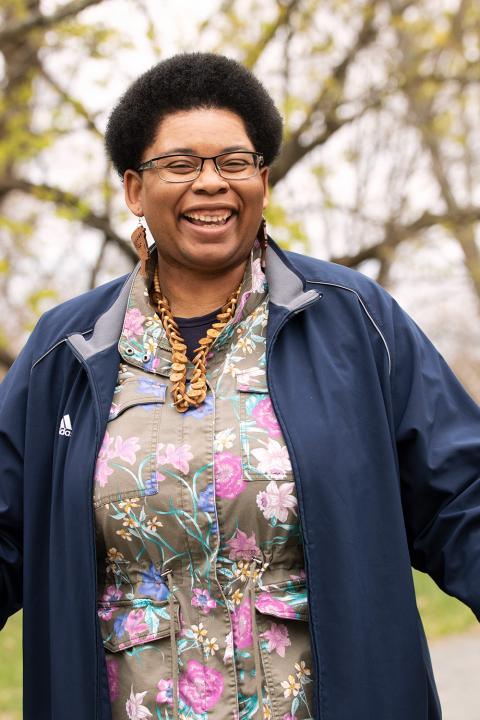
<point x="228" y="475"/>
<point x="200" y="686"/>
<point x="197" y="533"/>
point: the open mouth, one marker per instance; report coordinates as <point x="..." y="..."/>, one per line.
<point x="205" y="220"/>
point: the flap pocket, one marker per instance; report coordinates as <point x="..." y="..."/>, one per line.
<point x="140" y="391"/>
<point x="252" y="381"/>
<point x="286" y="600"/>
<point x="126" y="623"/>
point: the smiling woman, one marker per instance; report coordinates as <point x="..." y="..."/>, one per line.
<point x="259" y="447"/>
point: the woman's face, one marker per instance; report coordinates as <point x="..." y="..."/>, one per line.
<point x="203" y="248"/>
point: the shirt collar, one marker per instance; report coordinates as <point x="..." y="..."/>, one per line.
<point x="143" y="341"/>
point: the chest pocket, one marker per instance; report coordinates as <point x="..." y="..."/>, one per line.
<point x="264" y="453"/>
<point x="126" y="464"/>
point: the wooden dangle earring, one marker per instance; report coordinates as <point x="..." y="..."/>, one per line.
<point x="262" y="237"/>
<point x="139" y="240"/>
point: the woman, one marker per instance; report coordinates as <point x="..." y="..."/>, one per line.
<point x="216" y="473"/>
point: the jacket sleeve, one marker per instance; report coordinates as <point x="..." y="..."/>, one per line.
<point x="13" y="407"/>
<point x="437" y="428"/>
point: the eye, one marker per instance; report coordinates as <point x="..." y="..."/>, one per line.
<point x="179" y="165"/>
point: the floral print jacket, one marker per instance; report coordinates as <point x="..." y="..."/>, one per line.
<point x="202" y="602"/>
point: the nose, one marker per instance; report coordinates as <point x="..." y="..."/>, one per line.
<point x="210" y="181"/>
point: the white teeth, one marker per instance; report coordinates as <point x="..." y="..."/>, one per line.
<point x="219" y="219"/>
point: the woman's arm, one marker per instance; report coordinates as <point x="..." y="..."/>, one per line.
<point x="438" y="440"/>
<point x="13" y="408"/>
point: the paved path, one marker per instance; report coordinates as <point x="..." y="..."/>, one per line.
<point x="456" y="664"/>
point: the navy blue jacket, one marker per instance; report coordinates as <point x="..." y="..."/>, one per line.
<point x="385" y="447"/>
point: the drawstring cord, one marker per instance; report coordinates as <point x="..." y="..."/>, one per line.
<point x="173" y="641"/>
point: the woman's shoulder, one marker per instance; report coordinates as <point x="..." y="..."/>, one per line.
<point x="77" y="315"/>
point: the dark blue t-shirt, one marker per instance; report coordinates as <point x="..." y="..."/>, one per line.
<point x="194" y="329"/>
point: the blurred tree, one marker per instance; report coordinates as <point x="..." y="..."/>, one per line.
<point x="380" y="99"/>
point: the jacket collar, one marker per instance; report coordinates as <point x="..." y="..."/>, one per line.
<point x="286" y="287"/>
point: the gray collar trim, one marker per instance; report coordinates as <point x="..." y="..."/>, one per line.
<point x="285" y="287"/>
<point x="108" y="327"/>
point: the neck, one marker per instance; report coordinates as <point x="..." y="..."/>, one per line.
<point x="193" y="295"/>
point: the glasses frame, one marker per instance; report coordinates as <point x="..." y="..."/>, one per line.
<point x="150" y="164"/>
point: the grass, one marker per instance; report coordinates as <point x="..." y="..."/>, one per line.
<point x="11" y="669"/>
<point x="441" y="615"/>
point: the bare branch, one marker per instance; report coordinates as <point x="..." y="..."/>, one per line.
<point x="38" y="21"/>
<point x="82" y="213"/>
<point x="327" y="103"/>
<point x="294" y="149"/>
<point x="395" y="234"/>
<point x="78" y="106"/>
<point x="285" y="11"/>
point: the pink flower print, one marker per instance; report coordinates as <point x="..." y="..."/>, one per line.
<point x="289" y="717"/>
<point x="276" y="500"/>
<point x="258" y="276"/>
<point x="113" y="676"/>
<point x="242" y="625"/>
<point x="135" y="624"/>
<point x="126" y="449"/>
<point x="240" y="305"/>
<point x="269" y="605"/>
<point x="106" y="453"/>
<point x="165" y="694"/>
<point x="135" y="708"/>
<point x="133" y="323"/>
<point x="273" y="460"/>
<point x="200" y="687"/>
<point x="102" y="472"/>
<point x="277" y="638"/>
<point x="229" y="480"/>
<point x="202" y="600"/>
<point x="111" y="594"/>
<point x="105" y="613"/>
<point x="243" y="548"/>
<point x="265" y="417"/>
<point x="177" y="456"/>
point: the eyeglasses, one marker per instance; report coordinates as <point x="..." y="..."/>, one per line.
<point x="185" y="168"/>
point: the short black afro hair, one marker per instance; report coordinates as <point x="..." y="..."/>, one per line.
<point x="185" y="82"/>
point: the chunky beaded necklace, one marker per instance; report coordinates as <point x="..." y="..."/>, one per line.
<point x="197" y="391"/>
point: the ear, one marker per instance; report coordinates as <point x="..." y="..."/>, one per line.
<point x="266" y="189"/>
<point x="132" y="188"/>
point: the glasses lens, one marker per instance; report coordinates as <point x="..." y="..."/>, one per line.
<point x="238" y="165"/>
<point x="178" y="168"/>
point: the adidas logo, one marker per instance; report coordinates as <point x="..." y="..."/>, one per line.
<point x="65" y="426"/>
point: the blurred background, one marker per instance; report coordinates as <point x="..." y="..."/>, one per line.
<point x="380" y="169"/>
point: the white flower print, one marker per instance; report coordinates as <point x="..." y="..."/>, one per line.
<point x="273" y="460"/>
<point x="224" y="440"/>
<point x="228" y="654"/>
<point x="276" y="500"/>
<point x="290" y="686"/>
<point x="134" y="707"/>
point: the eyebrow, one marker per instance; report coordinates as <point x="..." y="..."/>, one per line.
<point x="191" y="151"/>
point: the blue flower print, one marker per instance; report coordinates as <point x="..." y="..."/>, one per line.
<point x="206" y="501"/>
<point x="151" y="485"/>
<point x="153" y="585"/>
<point x="150" y="387"/>
<point x="205" y="409"/>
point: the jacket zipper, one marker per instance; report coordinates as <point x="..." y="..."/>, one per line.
<point x="292" y="454"/>
<point x="92" y="534"/>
